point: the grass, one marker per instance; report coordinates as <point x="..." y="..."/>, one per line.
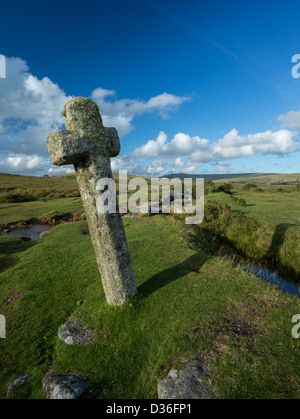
<point x="190" y="304"/>
<point x="271" y="206"/>
<point x="261" y="222"/>
<point x="25" y="211"/>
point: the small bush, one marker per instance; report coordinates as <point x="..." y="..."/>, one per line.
<point x="242" y="202"/>
<point x="249" y="186"/>
<point x="225" y="187"/>
<point x="16" y="198"/>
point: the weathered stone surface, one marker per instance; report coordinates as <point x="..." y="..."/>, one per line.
<point x="89" y="146"/>
<point x="18" y="382"/>
<point x="73" y="333"/>
<point x="185" y="384"/>
<point x="64" y="387"/>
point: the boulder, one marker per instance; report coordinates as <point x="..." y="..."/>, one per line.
<point x="64" y="387"/>
<point x="18" y="382"/>
<point x="73" y="333"/>
<point x="185" y="384"/>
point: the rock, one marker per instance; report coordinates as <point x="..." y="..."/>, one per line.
<point x="73" y="333"/>
<point x="185" y="384"/>
<point x="64" y="387"/>
<point x="44" y="233"/>
<point x="172" y="197"/>
<point x="18" y="382"/>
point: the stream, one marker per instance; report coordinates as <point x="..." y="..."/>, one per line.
<point x="34" y="233"/>
<point x="274" y="279"/>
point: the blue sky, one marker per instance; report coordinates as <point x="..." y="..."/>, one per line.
<point x="192" y="86"/>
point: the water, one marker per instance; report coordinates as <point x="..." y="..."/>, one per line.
<point x="33" y="233"/>
<point x="274" y="279"/>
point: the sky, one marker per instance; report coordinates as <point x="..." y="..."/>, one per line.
<point x="191" y="86"/>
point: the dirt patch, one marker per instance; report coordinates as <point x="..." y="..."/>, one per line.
<point x="219" y="332"/>
<point x="51" y="221"/>
<point x="259" y="306"/>
<point x="12" y="298"/>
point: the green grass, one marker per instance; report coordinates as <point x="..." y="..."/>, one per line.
<point x="271" y="206"/>
<point x="25" y="211"/>
<point x="264" y="179"/>
<point x="190" y="304"/>
<point x="267" y="229"/>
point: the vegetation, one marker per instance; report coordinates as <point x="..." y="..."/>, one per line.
<point x="225" y="187"/>
<point x="242" y="202"/>
<point x="249" y="186"/>
<point x="15" y="188"/>
<point x="191" y="303"/>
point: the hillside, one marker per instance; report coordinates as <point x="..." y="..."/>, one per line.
<point x="191" y="304"/>
<point x="242" y="177"/>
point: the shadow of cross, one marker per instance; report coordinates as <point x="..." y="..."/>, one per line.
<point x="89" y="146"/>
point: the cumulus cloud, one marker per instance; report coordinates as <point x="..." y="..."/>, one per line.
<point x="290" y="120"/>
<point x="231" y="146"/>
<point x="128" y="164"/>
<point x="234" y="145"/>
<point x="120" y="113"/>
<point x="30" y="108"/>
<point x="162" y="167"/>
<point x="23" y="164"/>
<point x="222" y="167"/>
<point x="30" y="165"/>
<point x="180" y="145"/>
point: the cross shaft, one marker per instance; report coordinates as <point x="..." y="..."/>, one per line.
<point x="88" y="146"/>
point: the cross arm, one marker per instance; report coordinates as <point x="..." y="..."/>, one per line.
<point x="113" y="146"/>
<point x="66" y="148"/>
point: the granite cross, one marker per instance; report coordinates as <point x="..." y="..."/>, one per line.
<point x="88" y="146"/>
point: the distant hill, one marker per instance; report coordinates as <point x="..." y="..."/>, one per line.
<point x="212" y="177"/>
<point x="262" y="178"/>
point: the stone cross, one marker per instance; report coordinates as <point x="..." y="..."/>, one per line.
<point x="88" y="146"/>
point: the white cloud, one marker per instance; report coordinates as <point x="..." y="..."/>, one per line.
<point x="290" y="120"/>
<point x="127" y="163"/>
<point x="122" y="163"/>
<point x="23" y="164"/>
<point x="120" y="113"/>
<point x="221" y="167"/>
<point x="231" y="146"/>
<point x="180" y="145"/>
<point x="162" y="167"/>
<point x="63" y="170"/>
<point x="29" y="109"/>
<point x="234" y="145"/>
<point x="30" y="165"/>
